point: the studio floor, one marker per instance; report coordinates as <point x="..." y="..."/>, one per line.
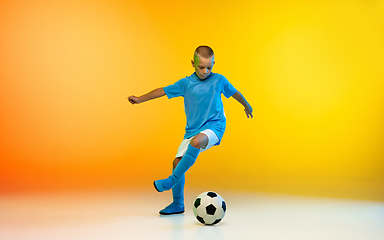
<point x="133" y="214"/>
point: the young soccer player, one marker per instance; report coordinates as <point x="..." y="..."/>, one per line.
<point x="206" y="120"/>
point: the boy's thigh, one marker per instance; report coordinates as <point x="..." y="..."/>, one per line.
<point x="212" y="140"/>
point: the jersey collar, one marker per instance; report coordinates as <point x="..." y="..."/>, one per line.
<point x="205" y="79"/>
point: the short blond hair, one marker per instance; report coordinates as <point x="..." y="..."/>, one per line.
<point x="204" y="51"/>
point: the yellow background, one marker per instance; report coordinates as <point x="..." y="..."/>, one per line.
<point x="312" y="71"/>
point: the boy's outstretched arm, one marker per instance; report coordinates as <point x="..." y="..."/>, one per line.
<point x="158" y="92"/>
<point x="247" y="108"/>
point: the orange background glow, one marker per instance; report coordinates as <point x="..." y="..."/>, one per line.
<point x="312" y="71"/>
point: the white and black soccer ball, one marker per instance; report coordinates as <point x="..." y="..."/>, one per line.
<point x="209" y="208"/>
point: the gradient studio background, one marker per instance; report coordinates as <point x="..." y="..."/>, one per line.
<point x="312" y="70"/>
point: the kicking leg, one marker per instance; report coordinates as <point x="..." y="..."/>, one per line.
<point x="197" y="142"/>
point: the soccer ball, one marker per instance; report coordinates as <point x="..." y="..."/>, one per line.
<point x="209" y="208"/>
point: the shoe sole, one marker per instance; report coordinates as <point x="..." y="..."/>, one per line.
<point x="161" y="213"/>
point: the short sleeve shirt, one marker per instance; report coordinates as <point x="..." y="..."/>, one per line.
<point x="202" y="102"/>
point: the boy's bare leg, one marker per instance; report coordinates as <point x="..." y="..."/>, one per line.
<point x="199" y="141"/>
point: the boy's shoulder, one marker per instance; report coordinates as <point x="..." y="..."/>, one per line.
<point x="219" y="76"/>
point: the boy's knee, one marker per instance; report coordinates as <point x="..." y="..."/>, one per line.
<point x="200" y="141"/>
<point x="195" y="142"/>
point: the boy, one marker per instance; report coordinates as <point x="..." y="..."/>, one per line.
<point x="205" y="119"/>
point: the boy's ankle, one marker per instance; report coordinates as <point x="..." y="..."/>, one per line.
<point x="179" y="202"/>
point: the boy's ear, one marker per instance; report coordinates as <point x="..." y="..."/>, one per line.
<point x="193" y="63"/>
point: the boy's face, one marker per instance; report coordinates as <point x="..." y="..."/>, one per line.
<point x="203" y="66"/>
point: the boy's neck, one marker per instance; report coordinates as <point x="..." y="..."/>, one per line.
<point x="204" y="78"/>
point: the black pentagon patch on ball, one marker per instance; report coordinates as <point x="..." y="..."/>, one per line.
<point x="200" y="219"/>
<point x="224" y="206"/>
<point x="211" y="209"/>
<point x="212" y="194"/>
<point x="217" y="221"/>
<point x="197" y="202"/>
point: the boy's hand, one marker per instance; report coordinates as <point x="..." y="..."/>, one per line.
<point x="248" y="110"/>
<point x="133" y="99"/>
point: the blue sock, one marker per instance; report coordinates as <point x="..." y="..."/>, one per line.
<point x="185" y="163"/>
<point x="178" y="192"/>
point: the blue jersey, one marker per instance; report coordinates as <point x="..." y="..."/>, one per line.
<point x="202" y="102"/>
